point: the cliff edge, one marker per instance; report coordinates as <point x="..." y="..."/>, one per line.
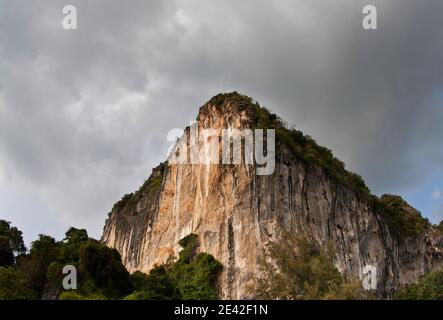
<point x="235" y="211"/>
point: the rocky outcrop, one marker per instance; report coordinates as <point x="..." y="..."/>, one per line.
<point x="236" y="212"/>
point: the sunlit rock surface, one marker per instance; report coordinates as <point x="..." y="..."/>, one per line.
<point x="236" y="213"/>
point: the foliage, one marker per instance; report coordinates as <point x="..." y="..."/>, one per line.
<point x="295" y="268"/>
<point x="123" y="202"/>
<point x="429" y="287"/>
<point x="100" y="272"/>
<point x="440" y="226"/>
<point x="302" y="146"/>
<point x="157" y="285"/>
<point x="149" y="186"/>
<point x="348" y="290"/>
<point x="72" y="295"/>
<point x="234" y="97"/>
<point x="13" y="285"/>
<point x="74" y="235"/>
<point x="192" y="276"/>
<point x="195" y="274"/>
<point x="6" y="254"/>
<point x="14" y="235"/>
<point x="401" y="218"/>
<point x="103" y="267"/>
<point x="189" y="245"/>
<point x="196" y="280"/>
<point x="34" y="265"/>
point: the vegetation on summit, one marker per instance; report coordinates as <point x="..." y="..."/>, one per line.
<point x="293" y="268"/>
<point x="302" y="146"/>
<point x="149" y="186"/>
<point x="402" y="219"/>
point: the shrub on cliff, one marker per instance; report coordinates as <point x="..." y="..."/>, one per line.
<point x="302" y="146"/>
<point x="157" y="285"/>
<point x="196" y="279"/>
<point x="429" y="287"/>
<point x="401" y="218"/>
<point x="149" y="186"/>
<point x="192" y="276"/>
<point x="295" y="268"/>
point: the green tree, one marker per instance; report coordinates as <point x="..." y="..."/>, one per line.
<point x="100" y="272"/>
<point x="191" y="276"/>
<point x="157" y="285"/>
<point x="196" y="279"/>
<point x="74" y="235"/>
<point x="6" y="254"/>
<point x="14" y="235"/>
<point x="195" y="274"/>
<point x="14" y="285"/>
<point x="43" y="252"/>
<point x="104" y="267"/>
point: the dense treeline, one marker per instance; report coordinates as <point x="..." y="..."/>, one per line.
<point x="293" y="268"/>
<point x="192" y="276"/>
<point x="100" y="272"/>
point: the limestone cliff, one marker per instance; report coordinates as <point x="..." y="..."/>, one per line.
<point x="236" y="212"/>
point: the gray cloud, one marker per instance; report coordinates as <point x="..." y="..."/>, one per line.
<point x="84" y="114"/>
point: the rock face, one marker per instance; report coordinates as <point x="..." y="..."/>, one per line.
<point x="236" y="212"/>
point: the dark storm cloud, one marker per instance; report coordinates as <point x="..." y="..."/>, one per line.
<point x="84" y="113"/>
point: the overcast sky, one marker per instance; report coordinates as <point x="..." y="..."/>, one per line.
<point x="84" y="113"/>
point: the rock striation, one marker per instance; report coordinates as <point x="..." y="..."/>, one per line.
<point x="236" y="212"/>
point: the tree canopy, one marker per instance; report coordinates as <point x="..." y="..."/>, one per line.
<point x="14" y="235"/>
<point x="100" y="272"/>
<point x="191" y="276"/>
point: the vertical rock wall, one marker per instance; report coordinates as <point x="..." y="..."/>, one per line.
<point x="235" y="212"/>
